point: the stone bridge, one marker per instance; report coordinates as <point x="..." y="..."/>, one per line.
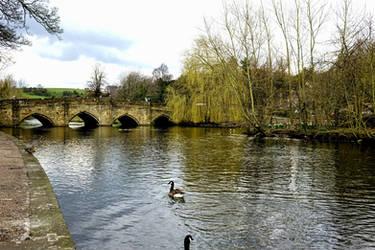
<point x="93" y="111"/>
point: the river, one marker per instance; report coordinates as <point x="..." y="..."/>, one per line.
<point x="112" y="186"/>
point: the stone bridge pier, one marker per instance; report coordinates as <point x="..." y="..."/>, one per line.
<point x="93" y="111"/>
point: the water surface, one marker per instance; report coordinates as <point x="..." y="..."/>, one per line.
<point x="240" y="193"/>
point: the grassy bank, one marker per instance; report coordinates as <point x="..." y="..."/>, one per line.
<point x="55" y="93"/>
<point x="59" y="92"/>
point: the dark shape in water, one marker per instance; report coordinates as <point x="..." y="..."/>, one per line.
<point x="187" y="241"/>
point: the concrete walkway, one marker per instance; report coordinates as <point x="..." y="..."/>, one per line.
<point x="30" y="216"/>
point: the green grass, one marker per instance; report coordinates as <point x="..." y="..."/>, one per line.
<point x="76" y="119"/>
<point x="29" y="96"/>
<point x="54" y="92"/>
<point x="58" y="92"/>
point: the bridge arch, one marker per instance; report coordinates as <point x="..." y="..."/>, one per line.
<point x="162" y="121"/>
<point x="43" y="119"/>
<point x="90" y="121"/>
<point x="127" y="121"/>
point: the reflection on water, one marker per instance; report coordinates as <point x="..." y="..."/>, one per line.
<point x="112" y="186"/>
<point x="76" y="125"/>
<point x="30" y="123"/>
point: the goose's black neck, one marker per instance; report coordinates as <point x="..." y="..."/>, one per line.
<point x="187" y="242"/>
<point x="172" y="186"/>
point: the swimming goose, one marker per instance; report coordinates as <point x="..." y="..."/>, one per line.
<point x="175" y="193"/>
<point x="187" y="241"/>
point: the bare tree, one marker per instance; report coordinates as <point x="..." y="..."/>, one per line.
<point x="348" y="63"/>
<point x="298" y="50"/>
<point x="237" y="49"/>
<point x="97" y="80"/>
<point x="370" y="46"/>
<point x="266" y="26"/>
<point x="306" y="19"/>
<point x="7" y="87"/>
<point x="16" y="13"/>
<point x="282" y="22"/>
<point x="316" y="16"/>
<point x="161" y="73"/>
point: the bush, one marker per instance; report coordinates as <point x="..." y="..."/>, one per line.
<point x="7" y="88"/>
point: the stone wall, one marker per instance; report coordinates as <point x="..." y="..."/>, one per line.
<point x="40" y="224"/>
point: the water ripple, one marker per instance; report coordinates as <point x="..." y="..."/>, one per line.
<point x="240" y="193"/>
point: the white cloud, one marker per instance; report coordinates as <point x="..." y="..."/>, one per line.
<point x="122" y="35"/>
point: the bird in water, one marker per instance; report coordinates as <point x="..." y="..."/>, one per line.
<point x="187" y="241"/>
<point x="30" y="149"/>
<point x="175" y="193"/>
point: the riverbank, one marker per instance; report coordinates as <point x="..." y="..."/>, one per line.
<point x="30" y="216"/>
<point x="322" y="135"/>
<point x="330" y="136"/>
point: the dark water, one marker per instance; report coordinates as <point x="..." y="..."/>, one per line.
<point x="240" y="193"/>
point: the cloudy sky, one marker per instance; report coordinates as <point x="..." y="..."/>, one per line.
<point x="123" y="36"/>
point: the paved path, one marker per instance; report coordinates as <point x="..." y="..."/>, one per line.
<point x="30" y="216"/>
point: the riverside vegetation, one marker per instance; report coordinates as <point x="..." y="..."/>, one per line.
<point x="257" y="65"/>
<point x="274" y="71"/>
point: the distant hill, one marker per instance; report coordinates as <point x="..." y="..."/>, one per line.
<point x="59" y="92"/>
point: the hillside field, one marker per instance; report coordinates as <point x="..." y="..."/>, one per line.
<point x="56" y="92"/>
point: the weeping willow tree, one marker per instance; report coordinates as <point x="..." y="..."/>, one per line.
<point x="236" y="52"/>
<point x="228" y="74"/>
<point x="201" y="95"/>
